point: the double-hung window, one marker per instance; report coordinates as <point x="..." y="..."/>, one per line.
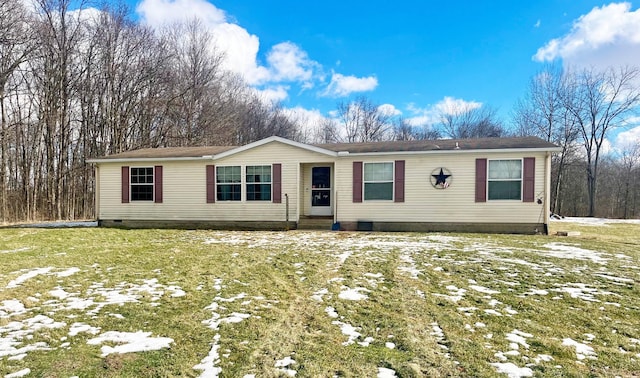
<point x="141" y="184"/>
<point x="258" y="181"/>
<point x="228" y="183"/>
<point x="378" y="181"/>
<point x="505" y="179"/>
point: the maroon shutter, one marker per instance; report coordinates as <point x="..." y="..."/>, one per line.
<point x="157" y="180"/>
<point x="125" y="184"/>
<point x="481" y="180"/>
<point x="277" y="183"/>
<point x="529" y="179"/>
<point x="399" y="181"/>
<point x="357" y="181"/>
<point x="211" y="183"/>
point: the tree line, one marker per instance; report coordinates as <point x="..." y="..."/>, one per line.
<point x="75" y="85"/>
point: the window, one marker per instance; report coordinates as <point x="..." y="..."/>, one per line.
<point x="258" y="179"/>
<point x="142" y="184"/>
<point x="378" y="181"/>
<point x="228" y="183"/>
<point x="505" y="179"/>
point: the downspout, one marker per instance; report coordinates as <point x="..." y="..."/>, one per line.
<point x="547" y="191"/>
<point x="286" y="206"/>
<point x="96" y="195"/>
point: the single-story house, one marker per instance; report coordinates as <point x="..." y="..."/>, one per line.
<point x="471" y="185"/>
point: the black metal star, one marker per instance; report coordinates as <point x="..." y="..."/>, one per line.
<point x="441" y="178"/>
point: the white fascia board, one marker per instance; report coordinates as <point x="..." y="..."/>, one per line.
<point x="134" y="160"/>
<point x="275" y="139"/>
<point x="483" y="151"/>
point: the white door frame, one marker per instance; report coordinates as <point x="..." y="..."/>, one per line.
<point x="321" y="192"/>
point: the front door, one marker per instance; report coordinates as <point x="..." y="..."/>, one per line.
<point x="321" y="191"/>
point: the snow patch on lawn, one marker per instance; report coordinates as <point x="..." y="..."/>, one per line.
<point x="77" y="328"/>
<point x="567" y="251"/>
<point x="317" y="296"/>
<point x="18" y="374"/>
<point x="208" y="364"/>
<point x="512" y="370"/>
<point x="353" y="294"/>
<point x="594" y="221"/>
<point x="331" y="312"/>
<point x="582" y="291"/>
<point x="483" y="289"/>
<point x="455" y="294"/>
<point x="26" y="276"/>
<point x="583" y="351"/>
<point x="11" y="307"/>
<point x="517" y="338"/>
<point x="348" y="330"/>
<point x="130" y="342"/>
<point x="283" y="366"/>
<point x="386" y="373"/>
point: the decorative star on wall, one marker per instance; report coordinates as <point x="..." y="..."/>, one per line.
<point x="441" y="179"/>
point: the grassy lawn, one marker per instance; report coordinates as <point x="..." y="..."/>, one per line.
<point x="163" y="303"/>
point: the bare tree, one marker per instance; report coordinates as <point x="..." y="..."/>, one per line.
<point x="363" y="121"/>
<point x="403" y="130"/>
<point x="542" y="113"/>
<point x="471" y="122"/>
<point x="601" y="101"/>
<point x="194" y="81"/>
<point x="16" y="44"/>
<point x="629" y="174"/>
<point x="326" y="132"/>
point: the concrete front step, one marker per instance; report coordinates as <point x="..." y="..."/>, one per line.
<point x="321" y="223"/>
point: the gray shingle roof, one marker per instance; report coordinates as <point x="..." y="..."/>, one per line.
<point x="170" y="152"/>
<point x="441" y="145"/>
<point x="373" y="147"/>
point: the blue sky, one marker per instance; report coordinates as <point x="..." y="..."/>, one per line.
<point x="417" y="58"/>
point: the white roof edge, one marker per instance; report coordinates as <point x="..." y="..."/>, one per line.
<point x="133" y="160"/>
<point x="318" y="150"/>
<point x="486" y="150"/>
<point x="275" y="139"/>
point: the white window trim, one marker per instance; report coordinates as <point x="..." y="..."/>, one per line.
<point x="153" y="184"/>
<point x="521" y="179"/>
<point x="241" y="184"/>
<point x="244" y="177"/>
<point x="393" y="181"/>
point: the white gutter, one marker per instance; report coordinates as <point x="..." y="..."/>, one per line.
<point x="126" y="160"/>
<point x="500" y="150"/>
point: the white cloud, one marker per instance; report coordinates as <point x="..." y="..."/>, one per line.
<point x="537" y="24"/>
<point x="241" y="50"/>
<point x="290" y="63"/>
<point x="606" y="36"/>
<point x="628" y="138"/>
<point x="287" y="61"/>
<point x="389" y="110"/>
<point x="272" y="94"/>
<point x="456" y="106"/>
<point x="431" y="114"/>
<point x="309" y="120"/>
<point x="342" y="85"/>
<point x="160" y="12"/>
<point x="239" y="46"/>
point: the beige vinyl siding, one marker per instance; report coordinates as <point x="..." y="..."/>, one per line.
<point x="184" y="188"/>
<point x="424" y="203"/>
